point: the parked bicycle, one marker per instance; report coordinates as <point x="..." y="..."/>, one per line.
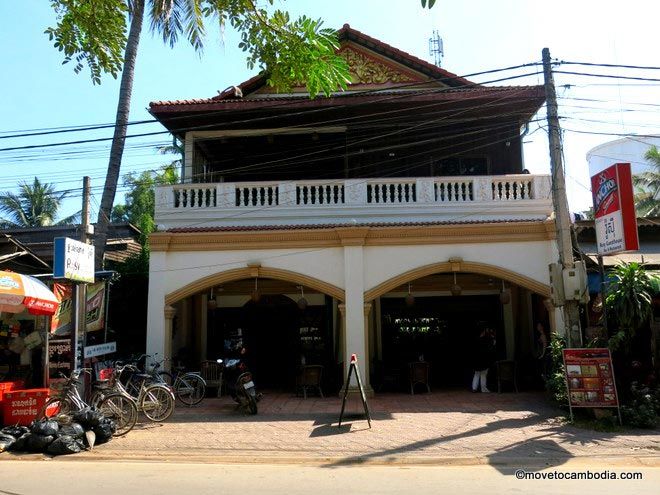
<point x="155" y="400"/>
<point x="189" y="386"/>
<point x="115" y="406"/>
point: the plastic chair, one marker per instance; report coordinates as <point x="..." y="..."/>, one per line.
<point x="212" y="374"/>
<point x="309" y="377"/>
<point x="419" y="373"/>
<point x="506" y="372"/>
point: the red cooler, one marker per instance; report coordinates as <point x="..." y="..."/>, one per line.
<point x="20" y="407"/>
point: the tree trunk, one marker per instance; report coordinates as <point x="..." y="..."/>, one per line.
<point x="119" y="137"/>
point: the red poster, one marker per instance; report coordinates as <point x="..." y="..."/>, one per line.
<point x="614" y="210"/>
<point x="590" y="378"/>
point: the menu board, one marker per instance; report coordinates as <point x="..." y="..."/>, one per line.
<point x="590" y="378"/>
<point x="59" y="361"/>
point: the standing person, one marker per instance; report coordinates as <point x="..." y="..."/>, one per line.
<point x="484" y="359"/>
<point x="542" y="350"/>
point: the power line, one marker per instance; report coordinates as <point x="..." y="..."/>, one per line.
<point x="618" y="66"/>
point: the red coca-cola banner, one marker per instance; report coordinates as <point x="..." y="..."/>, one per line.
<point x="614" y="210"/>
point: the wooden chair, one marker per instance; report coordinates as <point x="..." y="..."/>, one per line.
<point x="309" y="377"/>
<point x="419" y="373"/>
<point x="506" y="372"/>
<point x="212" y="373"/>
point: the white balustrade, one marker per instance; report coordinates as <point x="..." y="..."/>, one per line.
<point x="257" y="194"/>
<point x="309" y="201"/>
<point x="400" y="191"/>
<point x="321" y="193"/>
<point x="194" y="196"/>
<point x="454" y="189"/>
<point x="512" y="188"/>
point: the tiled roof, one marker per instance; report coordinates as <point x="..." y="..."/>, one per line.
<point x="435" y="93"/>
<point x="257" y="228"/>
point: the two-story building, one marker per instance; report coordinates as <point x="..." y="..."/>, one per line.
<point x="392" y="220"/>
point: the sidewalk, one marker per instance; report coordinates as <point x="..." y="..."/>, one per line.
<point x="452" y="427"/>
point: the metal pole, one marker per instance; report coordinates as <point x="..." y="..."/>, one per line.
<point x="562" y="217"/>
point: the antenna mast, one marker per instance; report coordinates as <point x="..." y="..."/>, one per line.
<point x="435" y="47"/>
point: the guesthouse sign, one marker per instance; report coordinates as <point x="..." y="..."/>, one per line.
<point x="73" y="260"/>
<point x="614" y="210"/>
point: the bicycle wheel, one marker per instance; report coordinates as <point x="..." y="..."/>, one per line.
<point x="157" y="403"/>
<point x="54" y="407"/>
<point x="190" y="389"/>
<point x="166" y="377"/>
<point x="122" y="410"/>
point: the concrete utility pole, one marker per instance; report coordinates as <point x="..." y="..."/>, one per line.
<point x="562" y="217"/>
<point x="79" y="298"/>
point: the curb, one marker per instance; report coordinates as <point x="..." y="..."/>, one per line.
<point x="187" y="457"/>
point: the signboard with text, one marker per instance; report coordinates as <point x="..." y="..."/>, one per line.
<point x="614" y="210"/>
<point x="100" y="349"/>
<point x="73" y="260"/>
<point x="590" y="378"/>
<point x="59" y="360"/>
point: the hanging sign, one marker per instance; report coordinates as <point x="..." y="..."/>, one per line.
<point x="73" y="260"/>
<point x="100" y="349"/>
<point x="61" y="323"/>
<point x="614" y="210"/>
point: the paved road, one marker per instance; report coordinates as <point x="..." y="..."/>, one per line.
<point x="67" y="475"/>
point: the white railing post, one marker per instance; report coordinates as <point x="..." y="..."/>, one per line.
<point x="541" y="187"/>
<point x="287" y="194"/>
<point x="425" y="191"/>
<point x="226" y="195"/>
<point x="165" y="197"/>
<point x="483" y="188"/>
<point x="355" y="191"/>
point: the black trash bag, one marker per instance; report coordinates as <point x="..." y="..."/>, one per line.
<point x="74" y="429"/>
<point x="38" y="443"/>
<point x="15" y="431"/>
<point x="45" y="427"/>
<point x="6" y="441"/>
<point x="20" y="444"/>
<point x="65" y="444"/>
<point x="104" y="432"/>
<point x="88" y="418"/>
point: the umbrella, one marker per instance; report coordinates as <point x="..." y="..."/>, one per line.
<point x="19" y="292"/>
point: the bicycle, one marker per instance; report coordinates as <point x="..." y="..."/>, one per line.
<point x="155" y="400"/>
<point x="114" y="406"/>
<point x="189" y="386"/>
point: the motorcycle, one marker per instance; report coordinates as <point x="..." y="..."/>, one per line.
<point x="240" y="384"/>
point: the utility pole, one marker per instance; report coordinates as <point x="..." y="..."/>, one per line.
<point x="79" y="298"/>
<point x="562" y="217"/>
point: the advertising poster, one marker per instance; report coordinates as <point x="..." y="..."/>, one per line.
<point x="590" y="378"/>
<point x="614" y="210"/>
<point x="59" y="360"/>
<point x="61" y="322"/>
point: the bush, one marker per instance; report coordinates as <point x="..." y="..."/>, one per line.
<point x="643" y="408"/>
<point x="555" y="382"/>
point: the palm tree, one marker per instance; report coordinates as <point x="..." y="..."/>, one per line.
<point x="647" y="184"/>
<point x="93" y="32"/>
<point x="36" y="205"/>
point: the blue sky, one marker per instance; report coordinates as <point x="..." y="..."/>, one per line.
<point x="37" y="91"/>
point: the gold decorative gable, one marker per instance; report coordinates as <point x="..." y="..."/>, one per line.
<point x="367" y="70"/>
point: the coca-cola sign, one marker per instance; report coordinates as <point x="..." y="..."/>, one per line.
<point x="614" y="210"/>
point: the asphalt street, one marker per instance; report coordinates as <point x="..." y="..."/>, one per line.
<point x="67" y="475"/>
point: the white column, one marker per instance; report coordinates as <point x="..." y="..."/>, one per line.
<point x="189" y="149"/>
<point x="354" y="327"/>
<point x="156" y="304"/>
<point x="168" y="313"/>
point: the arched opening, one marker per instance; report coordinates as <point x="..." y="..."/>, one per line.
<point x="437" y="317"/>
<point x="282" y="324"/>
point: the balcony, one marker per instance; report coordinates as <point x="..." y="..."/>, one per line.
<point x="354" y="201"/>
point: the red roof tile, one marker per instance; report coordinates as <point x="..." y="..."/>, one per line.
<point x="257" y="228"/>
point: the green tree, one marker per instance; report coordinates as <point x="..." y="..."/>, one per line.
<point x="647" y="184"/>
<point x="35" y="205"/>
<point x="95" y="33"/>
<point x="629" y="302"/>
<point x="140" y="200"/>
